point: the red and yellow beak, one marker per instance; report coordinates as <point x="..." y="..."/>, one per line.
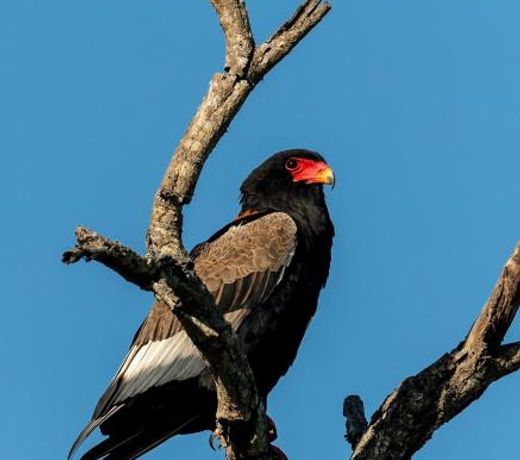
<point x="315" y="172"/>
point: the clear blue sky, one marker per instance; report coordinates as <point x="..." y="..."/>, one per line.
<point x="415" y="104"/>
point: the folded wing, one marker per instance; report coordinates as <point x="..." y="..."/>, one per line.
<point x="241" y="266"/>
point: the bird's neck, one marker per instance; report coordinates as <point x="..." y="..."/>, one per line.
<point x="309" y="212"/>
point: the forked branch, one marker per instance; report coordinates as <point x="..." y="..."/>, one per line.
<point x="422" y="403"/>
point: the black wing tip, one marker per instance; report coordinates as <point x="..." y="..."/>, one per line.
<point x="89" y="428"/>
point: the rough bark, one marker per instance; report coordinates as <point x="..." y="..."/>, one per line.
<point x="356" y="423"/>
<point x="167" y="270"/>
<point x="409" y="416"/>
<point x="128" y="263"/>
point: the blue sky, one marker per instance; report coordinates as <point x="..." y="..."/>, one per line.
<point x="416" y="105"/>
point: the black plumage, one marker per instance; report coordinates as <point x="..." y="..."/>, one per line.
<point x="265" y="270"/>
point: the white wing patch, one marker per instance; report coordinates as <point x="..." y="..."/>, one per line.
<point x="157" y="363"/>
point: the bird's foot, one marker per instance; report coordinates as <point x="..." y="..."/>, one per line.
<point x="217" y="435"/>
<point x="218" y="440"/>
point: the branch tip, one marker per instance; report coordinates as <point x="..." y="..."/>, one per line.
<point x="288" y="35"/>
<point x="356" y="422"/>
<point x="72" y="256"/>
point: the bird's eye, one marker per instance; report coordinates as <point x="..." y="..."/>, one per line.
<point x="291" y="164"/>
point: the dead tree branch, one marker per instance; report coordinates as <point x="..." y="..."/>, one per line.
<point x="508" y="358"/>
<point x="268" y="54"/>
<point x="422" y="403"/>
<point x="124" y="261"/>
<point x="240" y="44"/>
<point x="167" y="269"/>
<point x="356" y="423"/>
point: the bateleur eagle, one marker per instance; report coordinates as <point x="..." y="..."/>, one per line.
<point x="265" y="270"/>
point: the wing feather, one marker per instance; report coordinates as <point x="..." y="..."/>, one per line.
<point x="91" y="426"/>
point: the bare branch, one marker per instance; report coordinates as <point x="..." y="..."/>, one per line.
<point x="508" y="358"/>
<point x="496" y="317"/>
<point x="225" y="96"/>
<point x="422" y="403"/>
<point x="268" y="54"/>
<point x="356" y="425"/>
<point x="240" y="45"/>
<point x="124" y="261"/>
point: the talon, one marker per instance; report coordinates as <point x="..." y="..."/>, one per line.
<point x="211" y="441"/>
<point x="277" y="453"/>
<point x="217" y="435"/>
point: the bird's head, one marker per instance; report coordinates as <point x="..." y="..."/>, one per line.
<point x="286" y="181"/>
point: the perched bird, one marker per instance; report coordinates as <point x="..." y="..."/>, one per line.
<point x="265" y="271"/>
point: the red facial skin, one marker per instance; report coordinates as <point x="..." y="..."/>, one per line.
<point x="309" y="171"/>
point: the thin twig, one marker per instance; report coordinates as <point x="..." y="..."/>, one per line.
<point x="268" y="54"/>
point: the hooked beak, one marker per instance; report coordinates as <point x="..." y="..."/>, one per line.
<point x="319" y="173"/>
<point x="325" y="176"/>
